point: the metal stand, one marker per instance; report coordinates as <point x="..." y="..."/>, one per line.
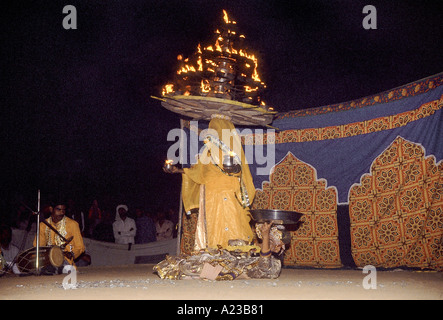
<point x="37" y="261"/>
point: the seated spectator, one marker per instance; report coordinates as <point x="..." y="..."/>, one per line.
<point x="23" y="216"/>
<point x="104" y="230"/>
<point x="73" y="212"/>
<point x="164" y="227"/>
<point x="94" y="216"/>
<point x="146" y="231"/>
<point x="7" y="249"/>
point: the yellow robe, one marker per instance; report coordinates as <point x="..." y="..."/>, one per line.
<point x="68" y="228"/>
<point x="225" y="217"/>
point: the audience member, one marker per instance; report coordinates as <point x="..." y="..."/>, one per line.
<point x="73" y="212"/>
<point x="146" y="231"/>
<point x="104" y="230"/>
<point x="23" y="216"/>
<point x="94" y="216"/>
<point x="25" y="219"/>
<point x="173" y="217"/>
<point x="123" y="226"/>
<point x="7" y="249"/>
<point x="164" y="227"/>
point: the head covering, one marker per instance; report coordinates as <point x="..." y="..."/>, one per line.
<point x="221" y="140"/>
<point x="117" y="215"/>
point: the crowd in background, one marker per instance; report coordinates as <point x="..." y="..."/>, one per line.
<point x="120" y="224"/>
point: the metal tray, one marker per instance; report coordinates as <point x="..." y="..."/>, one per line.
<point x="276" y="216"/>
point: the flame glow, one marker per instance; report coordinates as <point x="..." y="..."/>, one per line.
<point x="169" y="88"/>
<point x="205" y="73"/>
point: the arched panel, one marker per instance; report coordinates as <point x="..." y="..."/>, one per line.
<point x="396" y="211"/>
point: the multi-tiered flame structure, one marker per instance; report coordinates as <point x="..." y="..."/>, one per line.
<point x="221" y="78"/>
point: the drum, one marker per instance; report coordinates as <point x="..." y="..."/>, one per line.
<point x="49" y="256"/>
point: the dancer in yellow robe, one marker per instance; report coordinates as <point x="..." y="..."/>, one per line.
<point x="222" y="198"/>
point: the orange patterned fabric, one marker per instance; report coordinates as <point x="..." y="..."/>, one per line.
<point x="396" y="212"/>
<point x="189" y="225"/>
<point x="294" y="186"/>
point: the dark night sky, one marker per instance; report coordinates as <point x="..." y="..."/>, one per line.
<point x="77" y="117"/>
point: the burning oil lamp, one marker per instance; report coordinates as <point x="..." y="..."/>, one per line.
<point x="168" y="165"/>
<point x="230" y="165"/>
<point x="220" y="77"/>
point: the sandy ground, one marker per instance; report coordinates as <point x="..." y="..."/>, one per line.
<point x="139" y="282"/>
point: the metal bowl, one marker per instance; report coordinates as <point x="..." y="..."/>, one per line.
<point x="276" y="216"/>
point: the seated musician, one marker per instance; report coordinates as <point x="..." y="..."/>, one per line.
<point x="67" y="228"/>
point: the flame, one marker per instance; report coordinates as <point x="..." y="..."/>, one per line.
<point x="217" y="46"/>
<point x="255" y="75"/>
<point x="211" y="62"/>
<point x="204" y="86"/>
<point x="169" y="88"/>
<point x="200" y="63"/>
<point x="249" y="89"/>
<point x="225" y="17"/>
<point x="186" y="68"/>
<point x="203" y="63"/>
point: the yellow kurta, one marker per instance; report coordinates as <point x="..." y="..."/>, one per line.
<point x="68" y="228"/>
<point x="225" y="217"/>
